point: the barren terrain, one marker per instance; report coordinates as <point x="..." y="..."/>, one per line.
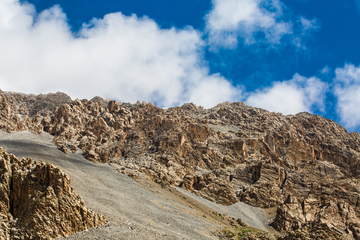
<point x="134" y="208"/>
<point x="129" y="161"/>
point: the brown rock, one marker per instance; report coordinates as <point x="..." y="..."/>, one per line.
<point x="37" y="201"/>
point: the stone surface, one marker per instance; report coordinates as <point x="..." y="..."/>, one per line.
<point x="315" y="231"/>
<point x="303" y="164"/>
<point x="37" y="201"/>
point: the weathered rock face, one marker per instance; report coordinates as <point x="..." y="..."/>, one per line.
<point x="37" y="201"/>
<point x="305" y="165"/>
<point x="315" y="231"/>
<point x="20" y="112"/>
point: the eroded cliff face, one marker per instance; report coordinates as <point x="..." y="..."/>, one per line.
<point x="37" y="201"/>
<point x="305" y="165"/>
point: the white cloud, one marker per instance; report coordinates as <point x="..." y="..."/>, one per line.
<point x="230" y="19"/>
<point x="122" y="57"/>
<point x="347" y="91"/>
<point x="304" y="30"/>
<point x="290" y="97"/>
<point x="309" y="24"/>
<point x="326" y="70"/>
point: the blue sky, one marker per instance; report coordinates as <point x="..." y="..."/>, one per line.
<point x="286" y="56"/>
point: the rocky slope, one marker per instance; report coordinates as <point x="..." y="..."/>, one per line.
<point x="304" y="165"/>
<point x="37" y="201"/>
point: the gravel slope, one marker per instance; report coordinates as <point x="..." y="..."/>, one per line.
<point x="135" y="209"/>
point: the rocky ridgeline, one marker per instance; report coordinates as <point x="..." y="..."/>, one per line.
<point x="305" y="165"/>
<point x="37" y="202"/>
<point x="23" y="112"/>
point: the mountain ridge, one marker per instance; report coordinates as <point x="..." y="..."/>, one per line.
<point x="304" y="165"/>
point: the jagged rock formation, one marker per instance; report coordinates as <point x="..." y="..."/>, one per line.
<point x="37" y="201"/>
<point x="305" y="165"/>
<point x="20" y="112"/>
<point x="315" y="230"/>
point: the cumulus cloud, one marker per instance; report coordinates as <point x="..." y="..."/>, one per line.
<point x="300" y="94"/>
<point x="232" y="19"/>
<point x="347" y="91"/>
<point x="123" y="57"/>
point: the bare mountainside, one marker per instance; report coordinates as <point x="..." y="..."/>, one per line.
<point x="303" y="165"/>
<point x="135" y="208"/>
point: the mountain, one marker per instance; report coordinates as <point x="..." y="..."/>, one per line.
<point x="304" y="169"/>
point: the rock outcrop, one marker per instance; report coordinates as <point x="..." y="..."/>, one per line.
<point x="305" y="165"/>
<point x="20" y="112"/>
<point x="37" y="201"/>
